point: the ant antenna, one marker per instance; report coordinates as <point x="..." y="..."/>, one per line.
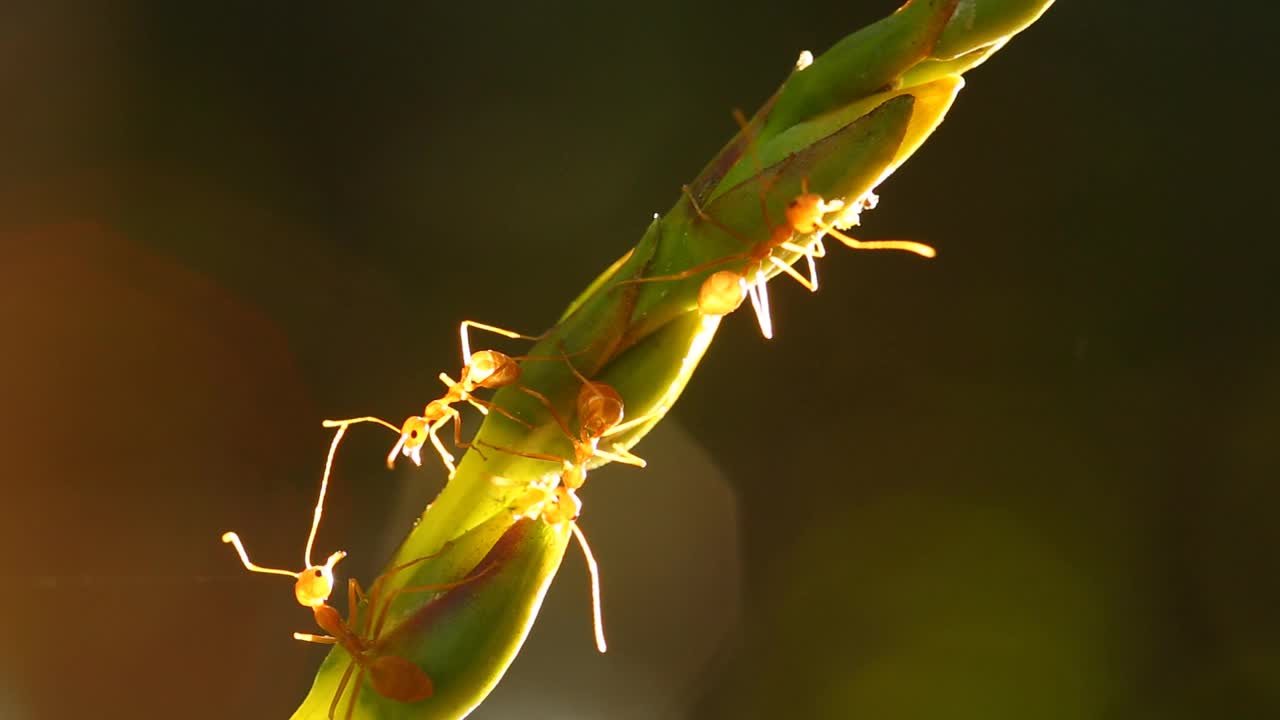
<point x="234" y="539"/>
<point x="343" y="424"/>
<point x="324" y="487"/>
<point x="353" y="421"/>
<point x="466" y="340"/>
<point x="564" y="355"/>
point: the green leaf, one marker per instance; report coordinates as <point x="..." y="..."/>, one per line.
<point x="838" y="127"/>
<point x="862" y="64"/>
<point x="455" y="636"/>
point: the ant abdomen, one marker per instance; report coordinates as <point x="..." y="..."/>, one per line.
<point x="721" y="293"/>
<point x="492" y="369"/>
<point x="398" y="679"/>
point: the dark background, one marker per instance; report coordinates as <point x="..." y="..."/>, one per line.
<point x="1034" y="478"/>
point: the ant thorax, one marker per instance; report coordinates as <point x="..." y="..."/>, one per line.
<point x="331" y="622"/>
<point x="436" y="409"/>
<point x="780" y="235"/>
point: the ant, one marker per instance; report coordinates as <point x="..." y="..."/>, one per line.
<point x="600" y="413"/>
<point x="556" y="504"/>
<point x="488" y="369"/>
<point x="554" y="499"/>
<point x="723" y="292"/>
<point x="391" y="676"/>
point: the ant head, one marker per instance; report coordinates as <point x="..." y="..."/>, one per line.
<point x="491" y="369"/>
<point x="721" y="293"/>
<point x="805" y="212"/>
<point x="315" y="584"/>
<point x="412" y="436"/>
<point x="599" y="408"/>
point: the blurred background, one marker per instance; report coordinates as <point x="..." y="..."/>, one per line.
<point x="1034" y="478"/>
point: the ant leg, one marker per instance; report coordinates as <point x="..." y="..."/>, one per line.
<point x="618" y="454"/>
<point x="381" y="618"/>
<point x="375" y="590"/>
<point x="355" y="691"/>
<point x="809" y="253"/>
<point x="703" y="267"/>
<point x="457" y="439"/>
<point x="813" y="271"/>
<point x="708" y="218"/>
<point x="629" y="424"/>
<point x="906" y="245"/>
<point x="521" y="453"/>
<point x="762" y="285"/>
<point x="594" y="570"/>
<point x="342" y="686"/>
<point x="321" y="639"/>
<point x="550" y="408"/>
<point x="445" y="455"/>
<point x="473" y="402"/>
<point x="354" y="596"/>
<point x="754" y="297"/>
<point x="695" y="270"/>
<point x="758" y="291"/>
<point x="809" y="284"/>
<point x="466" y="340"/>
<point x="486" y="405"/>
<point x="564" y="356"/>
<point x="755" y="158"/>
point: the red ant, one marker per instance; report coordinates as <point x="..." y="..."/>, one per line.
<point x="488" y="369"/>
<point x="722" y="292"/>
<point x="554" y="498"/>
<point x="391" y="676"/>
